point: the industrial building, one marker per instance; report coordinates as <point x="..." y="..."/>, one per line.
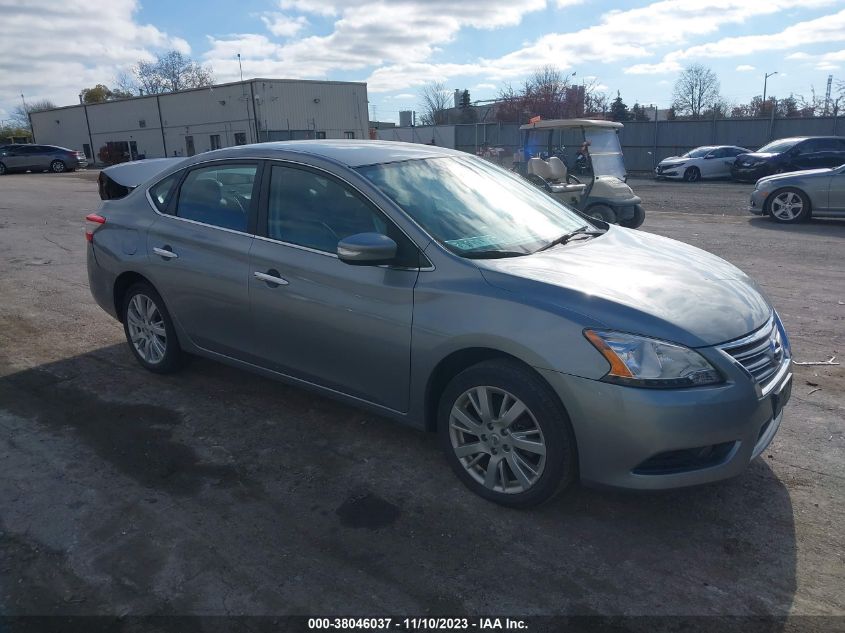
<point x="188" y="122"/>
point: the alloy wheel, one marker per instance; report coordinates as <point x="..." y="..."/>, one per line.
<point x="57" y="166"/>
<point x="787" y="206"/>
<point x="497" y="439"/>
<point x="146" y="329"/>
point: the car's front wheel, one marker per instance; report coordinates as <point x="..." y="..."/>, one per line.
<point x="506" y="435"/>
<point x="692" y="174"/>
<point x="58" y="166"/>
<point x="789" y="205"/>
<point x="602" y="212"/>
<point x="2" y="169"/>
<point x="149" y="330"/>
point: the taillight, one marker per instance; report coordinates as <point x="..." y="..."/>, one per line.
<point x="94" y="221"/>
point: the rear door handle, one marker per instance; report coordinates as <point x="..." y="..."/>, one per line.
<point x="165" y="252"/>
<point x="271" y="277"/>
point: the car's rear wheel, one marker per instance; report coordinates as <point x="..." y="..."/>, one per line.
<point x="58" y="166"/>
<point x="602" y="212"/>
<point x="506" y="435"/>
<point x="149" y="330"/>
<point x="789" y="205"/>
<point x="2" y="169"/>
<point x="692" y="174"/>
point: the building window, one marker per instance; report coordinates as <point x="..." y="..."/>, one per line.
<point x="142" y="123"/>
<point x="349" y="135"/>
<point x="321" y="135"/>
<point x="240" y="138"/>
<point x="215" y="141"/>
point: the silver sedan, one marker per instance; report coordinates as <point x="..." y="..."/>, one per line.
<point x="442" y="291"/>
<point x="797" y="196"/>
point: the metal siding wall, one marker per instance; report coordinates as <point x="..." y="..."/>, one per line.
<point x="120" y="121"/>
<point x="70" y="131"/>
<point x="290" y="106"/>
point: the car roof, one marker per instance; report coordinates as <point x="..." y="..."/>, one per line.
<point x="349" y="152"/>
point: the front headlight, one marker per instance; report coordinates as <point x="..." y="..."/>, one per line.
<point x="639" y="361"/>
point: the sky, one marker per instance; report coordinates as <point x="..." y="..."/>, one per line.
<point x="51" y="50"/>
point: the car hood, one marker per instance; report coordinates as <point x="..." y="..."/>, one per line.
<point x="755" y="156"/>
<point x="674" y="160"/>
<point x="639" y="282"/>
<point x="777" y="178"/>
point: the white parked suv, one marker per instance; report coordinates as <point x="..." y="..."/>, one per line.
<point x="708" y="161"/>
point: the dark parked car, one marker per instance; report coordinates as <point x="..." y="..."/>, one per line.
<point x="790" y="154"/>
<point x="31" y="157"/>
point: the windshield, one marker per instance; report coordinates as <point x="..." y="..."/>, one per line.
<point x="471" y="206"/>
<point x="776" y="147"/>
<point x="606" y="152"/>
<point x="698" y="152"/>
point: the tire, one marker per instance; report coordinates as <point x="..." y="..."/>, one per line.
<point x="788" y="205"/>
<point x="156" y="352"/>
<point x="637" y="220"/>
<point x="2" y="169"/>
<point x="526" y="477"/>
<point x="603" y="213"/>
<point x="692" y="174"/>
<point x="58" y="166"/>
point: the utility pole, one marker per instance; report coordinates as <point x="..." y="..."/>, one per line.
<point x="827" y="95"/>
<point x="765" y="81"/>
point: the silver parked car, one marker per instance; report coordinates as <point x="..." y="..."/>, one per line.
<point x="435" y="288"/>
<point x="708" y="161"/>
<point x="31" y="157"/>
<point x="796" y="196"/>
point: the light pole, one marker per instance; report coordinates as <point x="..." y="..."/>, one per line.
<point x="765" y="81"/>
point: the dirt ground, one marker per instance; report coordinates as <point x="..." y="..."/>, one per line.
<point x="218" y="492"/>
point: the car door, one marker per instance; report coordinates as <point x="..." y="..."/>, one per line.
<point x="198" y="251"/>
<point x="711" y="165"/>
<point x="16" y="158"/>
<point x="804" y="155"/>
<point x="836" y="192"/>
<point x="315" y="317"/>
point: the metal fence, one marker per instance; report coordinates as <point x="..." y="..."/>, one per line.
<point x="645" y="143"/>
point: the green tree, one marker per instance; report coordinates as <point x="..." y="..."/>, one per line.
<point x="619" y="110"/>
<point x="102" y="93"/>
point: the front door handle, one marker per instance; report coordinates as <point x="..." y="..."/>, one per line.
<point x="165" y="252"/>
<point x="271" y="277"/>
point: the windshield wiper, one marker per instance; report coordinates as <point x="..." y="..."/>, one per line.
<point x="492" y="254"/>
<point x="563" y="239"/>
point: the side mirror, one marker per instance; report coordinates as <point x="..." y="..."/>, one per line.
<point x="366" y="249"/>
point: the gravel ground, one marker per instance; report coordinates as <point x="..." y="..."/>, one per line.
<point x="218" y="492"/>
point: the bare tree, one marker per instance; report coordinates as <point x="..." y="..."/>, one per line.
<point x="435" y="100"/>
<point x="550" y="94"/>
<point x="20" y="114"/>
<point x="696" y="90"/>
<point x="170" y="72"/>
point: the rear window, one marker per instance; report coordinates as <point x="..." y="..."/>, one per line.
<point x="160" y="192"/>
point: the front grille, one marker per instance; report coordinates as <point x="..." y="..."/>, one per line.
<point x="760" y="353"/>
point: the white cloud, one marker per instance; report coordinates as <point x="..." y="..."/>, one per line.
<point x="744" y="68"/>
<point x="828" y="28"/>
<point x="403" y="97"/>
<point x="97" y="40"/>
<point x="484" y="86"/>
<point x="823" y="61"/>
<point x="282" y="25"/>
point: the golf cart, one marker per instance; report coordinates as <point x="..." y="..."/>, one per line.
<point x="596" y="185"/>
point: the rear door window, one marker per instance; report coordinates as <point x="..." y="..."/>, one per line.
<point x="220" y="195"/>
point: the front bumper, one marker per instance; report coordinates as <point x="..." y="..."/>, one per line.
<point x="671" y="172"/>
<point x="619" y="429"/>
<point x="750" y="174"/>
<point x="757" y="204"/>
